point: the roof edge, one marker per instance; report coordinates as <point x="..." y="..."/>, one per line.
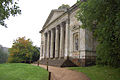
<point x="70" y="9"/>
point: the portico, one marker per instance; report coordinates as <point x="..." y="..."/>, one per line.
<point x="64" y="42"/>
<point x="55" y="42"/>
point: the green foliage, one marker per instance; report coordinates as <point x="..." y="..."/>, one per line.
<point x="99" y="72"/>
<point x="7" y="8"/>
<point x="3" y="56"/>
<point x="64" y="6"/>
<point x="23" y="51"/>
<point x="103" y="18"/>
<point x="19" y="71"/>
<point x="36" y="53"/>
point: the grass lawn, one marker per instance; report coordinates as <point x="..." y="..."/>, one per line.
<point x="99" y="72"/>
<point x="19" y="71"/>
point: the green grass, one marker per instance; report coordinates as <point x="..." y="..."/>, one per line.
<point x="19" y="71"/>
<point x="99" y="72"/>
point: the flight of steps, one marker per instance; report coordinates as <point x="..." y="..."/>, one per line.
<point x="58" y="62"/>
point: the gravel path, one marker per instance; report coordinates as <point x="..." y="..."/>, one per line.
<point x="58" y="73"/>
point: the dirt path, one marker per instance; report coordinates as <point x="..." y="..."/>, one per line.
<point x="65" y="74"/>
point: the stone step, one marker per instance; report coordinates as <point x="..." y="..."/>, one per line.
<point x="58" y="62"/>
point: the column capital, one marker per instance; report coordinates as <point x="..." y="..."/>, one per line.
<point x="45" y="33"/>
<point x="52" y="30"/>
<point x="57" y="27"/>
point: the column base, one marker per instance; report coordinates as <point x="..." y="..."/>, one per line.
<point x="61" y="58"/>
<point x="66" y="57"/>
<point x="51" y="58"/>
<point x="56" y="57"/>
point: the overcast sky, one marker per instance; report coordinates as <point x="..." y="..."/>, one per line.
<point x="30" y="22"/>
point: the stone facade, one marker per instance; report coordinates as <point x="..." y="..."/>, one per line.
<point x="62" y="38"/>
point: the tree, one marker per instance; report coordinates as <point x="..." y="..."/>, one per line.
<point x="64" y="6"/>
<point x="103" y="18"/>
<point x="3" y="56"/>
<point x="36" y="53"/>
<point x="23" y="51"/>
<point x="7" y="8"/>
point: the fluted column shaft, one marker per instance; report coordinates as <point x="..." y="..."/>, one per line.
<point x="66" y="39"/>
<point x="41" y="51"/>
<point x="56" y="42"/>
<point x="61" y="41"/>
<point x="51" y="47"/>
<point x="48" y="36"/>
<point x="45" y="44"/>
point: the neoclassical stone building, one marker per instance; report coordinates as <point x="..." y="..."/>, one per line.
<point x="64" y="42"/>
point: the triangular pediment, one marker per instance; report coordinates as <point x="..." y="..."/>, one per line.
<point x="53" y="15"/>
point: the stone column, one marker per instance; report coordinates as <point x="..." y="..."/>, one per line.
<point x="45" y="44"/>
<point x="51" y="47"/>
<point x="61" y="40"/>
<point x="66" y="39"/>
<point x="41" y="51"/>
<point x="48" y="36"/>
<point x="56" y="42"/>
